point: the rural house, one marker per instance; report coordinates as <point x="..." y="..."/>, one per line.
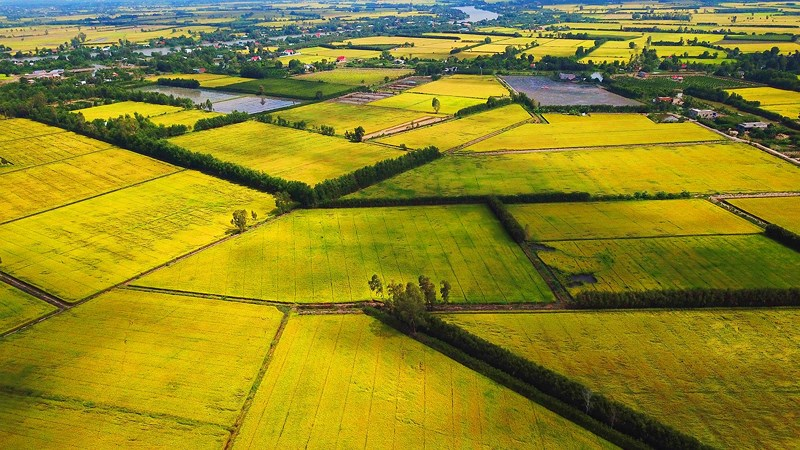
<point x="703" y="113"/>
<point x="747" y="126"/>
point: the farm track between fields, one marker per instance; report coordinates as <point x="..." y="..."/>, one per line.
<point x="569" y="149"/>
<point x="722" y="202"/>
<point x="763" y="148"/>
<point x="256" y="383"/>
<point x="491" y="135"/>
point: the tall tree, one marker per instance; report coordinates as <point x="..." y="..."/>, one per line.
<point x="375" y="285"/>
<point x="445" y="291"/>
<point x="436" y="104"/>
<point x="239" y="220"/>
<point x="428" y="290"/>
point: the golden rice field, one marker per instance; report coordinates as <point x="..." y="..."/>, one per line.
<point x="328" y="255"/>
<point x="753" y="47"/>
<point x="287" y="152"/>
<point x="18" y="308"/>
<point x="458" y="132"/>
<point x="422" y="47"/>
<point x="674" y="263"/>
<point x="151" y="369"/>
<point x="115" y="110"/>
<point x="313" y="55"/>
<point x="448" y="104"/>
<point x="611" y="51"/>
<point x="27" y="39"/>
<point x="26" y="143"/>
<point x="188" y="117"/>
<point x="785" y="103"/>
<point x="665" y="51"/>
<point x="693" y="168"/>
<point x="639" y="219"/>
<point x="80" y="249"/>
<point x="728" y="377"/>
<point x="345" y="117"/>
<point x="356" y="76"/>
<point x="46" y="186"/>
<point x="781" y="211"/>
<point x="346" y="381"/>
<point x="474" y="86"/>
<point x="595" y="130"/>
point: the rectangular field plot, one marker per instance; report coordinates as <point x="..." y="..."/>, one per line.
<point x="13" y="129"/>
<point x="287" y="87"/>
<point x="188" y="118"/>
<point x="461" y="131"/>
<point x="781" y="211"/>
<point x="115" y="110"/>
<point x="80" y="249"/>
<point x="549" y="92"/>
<point x="597" y="130"/>
<point x="785" y="103"/>
<point x="475" y="86"/>
<point x="448" y="104"/>
<point x="47" y="186"/>
<point x="34" y="145"/>
<point x="17" y="308"/>
<point x="730" y="378"/>
<point x="137" y="362"/>
<point x="344" y="117"/>
<point x="667" y="263"/>
<point x="609" y="220"/>
<point x="285" y="152"/>
<point x="328" y="256"/>
<point x="348" y="381"/>
<point x="209" y="80"/>
<point x="355" y="76"/>
<point x="706" y="168"/>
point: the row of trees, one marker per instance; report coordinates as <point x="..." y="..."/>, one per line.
<point x="689" y="298"/>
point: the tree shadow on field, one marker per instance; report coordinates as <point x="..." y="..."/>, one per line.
<point x="380" y="329"/>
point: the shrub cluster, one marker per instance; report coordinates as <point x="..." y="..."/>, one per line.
<point x="334" y="188"/>
<point x="179" y="82"/>
<point x="783" y="236"/>
<point x="690" y="298"/>
<point x="509" y="222"/>
<point x="221" y="121"/>
<point x="492" y="103"/>
<point x="736" y="100"/>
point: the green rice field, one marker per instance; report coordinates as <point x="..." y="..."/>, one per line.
<point x="782" y="211"/>
<point x="328" y="256"/>
<point x="18" y="308"/>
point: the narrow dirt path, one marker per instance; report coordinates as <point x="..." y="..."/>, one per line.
<point x="490" y="135"/>
<point x="34" y="291"/>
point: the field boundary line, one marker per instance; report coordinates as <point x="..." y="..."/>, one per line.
<point x="32" y="322"/>
<point x="91" y="197"/>
<point x="722" y="203"/>
<point x="633" y="238"/>
<point x="596" y="147"/>
<point x="761" y="147"/>
<point x="426" y="121"/>
<point x="34" y="291"/>
<point x="491" y="135"/>
<point x="262" y="371"/>
<point x="561" y="294"/>
<point x="304" y="308"/>
<point x="72" y="157"/>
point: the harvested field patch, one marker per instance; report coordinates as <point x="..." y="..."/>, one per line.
<point x="115" y="110"/>
<point x="728" y="377"/>
<point x="17" y="307"/>
<point x="610" y="220"/>
<point x="674" y="263"/>
<point x="328" y="256"/>
<point x="549" y="92"/>
<point x="460" y="131"/>
<point x="171" y="365"/>
<point x="349" y="381"/>
<point x="782" y="211"/>
<point x="706" y="168"/>
<point x="80" y="249"/>
<point x="47" y="186"/>
<point x="285" y="152"/>
<point x="596" y="130"/>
